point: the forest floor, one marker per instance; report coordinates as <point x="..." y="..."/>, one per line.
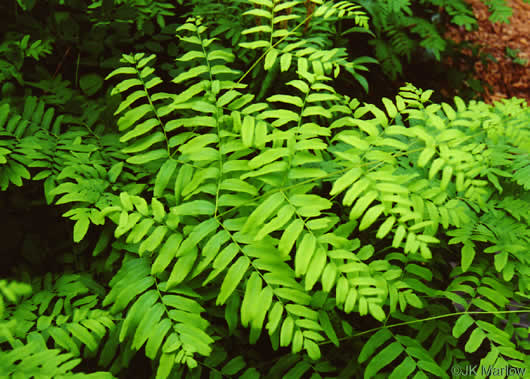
<point x="509" y="44"/>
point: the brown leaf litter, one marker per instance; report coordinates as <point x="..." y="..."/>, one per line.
<point x="506" y="77"/>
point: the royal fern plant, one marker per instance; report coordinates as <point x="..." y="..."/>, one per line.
<point x="301" y="234"/>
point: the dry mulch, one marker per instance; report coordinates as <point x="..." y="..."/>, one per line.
<point x="507" y="78"/>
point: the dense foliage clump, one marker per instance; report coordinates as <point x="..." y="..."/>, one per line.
<point x="235" y="214"/>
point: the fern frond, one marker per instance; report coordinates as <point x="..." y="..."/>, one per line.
<point x="404" y="353"/>
<point x="161" y="307"/>
<point x="500" y="11"/>
<point x="35" y="359"/>
<point x="28" y="140"/>
<point x="63" y="312"/>
<point x="430" y="39"/>
<point x="490" y="295"/>
<point x="290" y="48"/>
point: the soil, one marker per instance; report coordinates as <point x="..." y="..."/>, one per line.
<point x="508" y="76"/>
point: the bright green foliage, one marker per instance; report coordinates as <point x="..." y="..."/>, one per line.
<point x="36" y="49"/>
<point x="305" y="221"/>
<point x="285" y="43"/>
<point x="10" y="293"/>
<point x="63" y="312"/>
